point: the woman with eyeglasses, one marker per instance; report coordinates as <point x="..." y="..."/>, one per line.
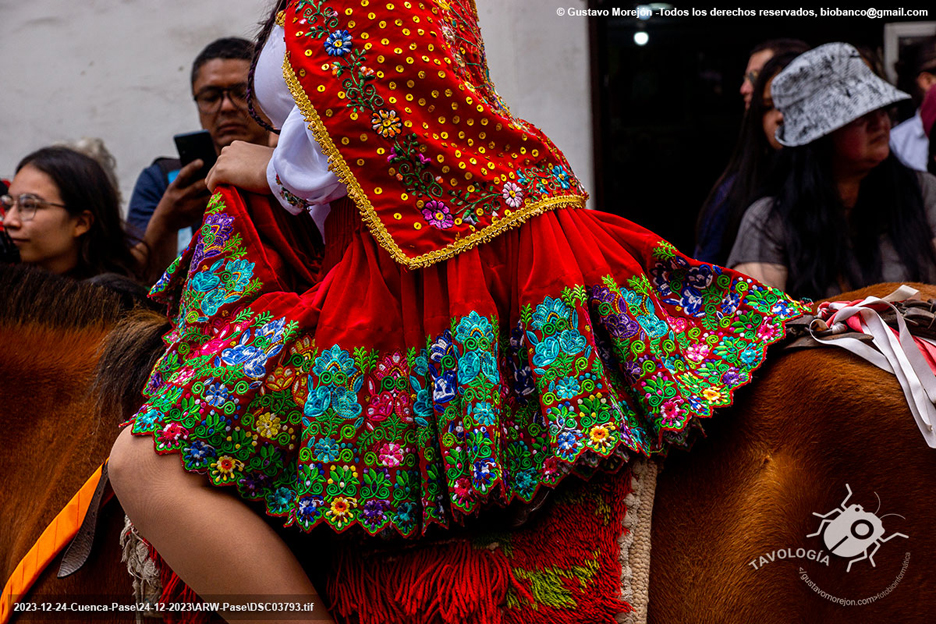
<point x="62" y="213"/>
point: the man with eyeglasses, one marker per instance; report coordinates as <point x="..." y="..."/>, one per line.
<point x="219" y="88"/>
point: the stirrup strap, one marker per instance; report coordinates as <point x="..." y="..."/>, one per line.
<point x="55" y="537"/>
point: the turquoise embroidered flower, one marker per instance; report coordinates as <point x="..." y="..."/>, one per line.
<point x="546" y="351"/>
<point x="572" y="342"/>
<point x="241" y="271"/>
<point x="550" y="315"/>
<point x="483" y="413"/>
<point x="749" y="356"/>
<point x="561" y="176"/>
<point x="280" y="500"/>
<point x="474" y="326"/>
<point x="469" y="367"/>
<point x="568" y="387"/>
<point x="147" y="419"/>
<point x="334" y="365"/>
<point x="203" y="281"/>
<point x="342" y="401"/>
<point x="326" y="450"/>
<point x="338" y="43"/>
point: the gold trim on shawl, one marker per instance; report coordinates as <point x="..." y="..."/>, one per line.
<point x="379" y="231"/>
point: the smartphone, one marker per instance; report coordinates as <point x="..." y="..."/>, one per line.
<point x="194" y="145"/>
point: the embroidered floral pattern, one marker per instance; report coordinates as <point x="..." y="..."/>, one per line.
<point x="291" y="199"/>
<point x="487" y="409"/>
<point x="412" y="166"/>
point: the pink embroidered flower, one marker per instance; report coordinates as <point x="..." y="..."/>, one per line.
<point x="438" y="215"/>
<point x="698" y="352"/>
<point x="172" y="433"/>
<point x="380" y="408"/>
<point x="513" y="195"/>
<point x="462" y="492"/>
<point x="671" y="412"/>
<point x="391" y="455"/>
<point x="767" y="331"/>
<point x="423" y="160"/>
<point x="550" y="466"/>
<point x="183" y="375"/>
<point x="393" y="365"/>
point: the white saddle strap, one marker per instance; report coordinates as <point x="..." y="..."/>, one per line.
<point x="898" y="354"/>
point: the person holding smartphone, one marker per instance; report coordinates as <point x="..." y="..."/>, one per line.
<point x="173" y="196"/>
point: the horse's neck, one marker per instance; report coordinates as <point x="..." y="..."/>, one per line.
<point x="51" y="430"/>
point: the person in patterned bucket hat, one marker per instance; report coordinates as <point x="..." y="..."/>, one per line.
<point x="842" y="212"/>
<point x="467" y="335"/>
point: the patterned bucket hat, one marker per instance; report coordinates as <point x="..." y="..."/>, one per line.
<point x="823" y="90"/>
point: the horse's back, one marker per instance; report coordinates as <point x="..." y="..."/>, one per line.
<point x="732" y="517"/>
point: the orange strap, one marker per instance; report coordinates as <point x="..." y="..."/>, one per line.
<point x="52" y="541"/>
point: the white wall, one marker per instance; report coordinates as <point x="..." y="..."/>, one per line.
<point x="119" y="70"/>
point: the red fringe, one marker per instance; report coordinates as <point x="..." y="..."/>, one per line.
<point x="445" y="583"/>
<point x="176" y="591"/>
<point x="573" y="545"/>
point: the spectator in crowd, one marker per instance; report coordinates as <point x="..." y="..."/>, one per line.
<point x="8" y="251"/>
<point x="762" y="53"/>
<point x="909" y="139"/>
<point x="743" y="179"/>
<point x="843" y="212"/>
<point x="176" y="195"/>
<point x="95" y="148"/>
<point x="928" y="117"/>
<point x="61" y="212"/>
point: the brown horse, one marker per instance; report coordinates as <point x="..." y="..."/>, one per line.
<point x="55" y="435"/>
<point x="731" y="517"/>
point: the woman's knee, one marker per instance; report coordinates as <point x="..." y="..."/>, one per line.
<point x="127" y="464"/>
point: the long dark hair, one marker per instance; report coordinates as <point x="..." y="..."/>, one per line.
<point x="825" y="244"/>
<point x="262" y="36"/>
<point x="931" y="162"/>
<point x="748" y="169"/>
<point x="83" y="185"/>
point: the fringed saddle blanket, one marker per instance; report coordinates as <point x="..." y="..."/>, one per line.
<point x="583" y="558"/>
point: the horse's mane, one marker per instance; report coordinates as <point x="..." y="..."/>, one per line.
<point x="31" y="295"/>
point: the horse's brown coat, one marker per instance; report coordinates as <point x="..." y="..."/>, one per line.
<point x="53" y="437"/>
<point x="813" y="421"/>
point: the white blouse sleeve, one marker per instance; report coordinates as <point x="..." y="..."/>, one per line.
<point x="298" y="172"/>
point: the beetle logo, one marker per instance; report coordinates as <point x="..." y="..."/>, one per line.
<point x="850" y="531"/>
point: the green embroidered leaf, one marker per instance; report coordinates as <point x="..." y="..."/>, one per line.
<point x="664" y="250"/>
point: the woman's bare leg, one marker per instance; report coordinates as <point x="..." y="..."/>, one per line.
<point x="210" y="538"/>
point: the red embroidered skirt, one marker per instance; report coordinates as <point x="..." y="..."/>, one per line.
<point x="362" y="393"/>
